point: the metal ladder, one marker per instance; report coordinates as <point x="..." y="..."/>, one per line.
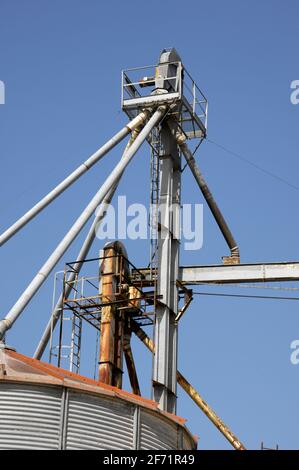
<point x="66" y="353"/>
<point x="154" y="200"/>
<point x="75" y="349"/>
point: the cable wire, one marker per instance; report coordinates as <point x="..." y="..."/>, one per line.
<point x="257" y="167"/>
<point x="218" y="294"/>
<point x="254" y="286"/>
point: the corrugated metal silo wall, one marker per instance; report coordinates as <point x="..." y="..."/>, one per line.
<point x="98" y="424"/>
<point x="52" y="417"/>
<point x="30" y="416"/>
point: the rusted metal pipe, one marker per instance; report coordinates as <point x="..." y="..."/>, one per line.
<point x="223" y="428"/>
<point x="200" y="402"/>
<point x="147" y="341"/>
<point x="114" y="273"/>
<point x="107" y="366"/>
<point x="232" y="244"/>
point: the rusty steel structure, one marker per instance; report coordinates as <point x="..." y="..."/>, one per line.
<point x="112" y="321"/>
<point x="166" y="108"/>
<point x="114" y="273"/>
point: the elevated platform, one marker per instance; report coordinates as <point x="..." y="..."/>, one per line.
<point x="169" y="83"/>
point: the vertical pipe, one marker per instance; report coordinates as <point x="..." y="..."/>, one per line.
<point x="108" y="317"/>
<point x="114" y="276"/>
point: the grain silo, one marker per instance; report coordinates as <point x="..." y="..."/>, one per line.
<point x="44" y="406"/>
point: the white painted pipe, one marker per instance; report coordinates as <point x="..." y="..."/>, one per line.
<point x="45" y="270"/>
<point x="57" y="311"/>
<point x="77" y="267"/>
<point x="83" y="168"/>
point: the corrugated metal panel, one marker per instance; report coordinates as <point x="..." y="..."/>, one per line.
<point x="29" y="416"/>
<point x="188" y="443"/>
<point x="98" y="423"/>
<point x="157" y="433"/>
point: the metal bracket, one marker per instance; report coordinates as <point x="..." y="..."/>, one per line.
<point x="188" y="297"/>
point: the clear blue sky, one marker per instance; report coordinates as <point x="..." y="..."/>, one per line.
<point x="61" y="63"/>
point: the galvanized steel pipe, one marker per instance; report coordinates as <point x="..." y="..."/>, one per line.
<point x="81" y="256"/>
<point x="77" y="267"/>
<point x="45" y="270"/>
<point x="83" y="168"/>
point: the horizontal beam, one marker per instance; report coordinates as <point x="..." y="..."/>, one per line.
<point x="228" y="274"/>
<point x="146" y="101"/>
<point x="238" y="273"/>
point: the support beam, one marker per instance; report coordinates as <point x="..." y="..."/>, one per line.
<point x="235" y="274"/>
<point x="199" y="401"/>
<point x="153" y="100"/>
<point x="228" y="274"/>
<point x="130" y="361"/>
<point x="165" y="361"/>
<point x="188" y="297"/>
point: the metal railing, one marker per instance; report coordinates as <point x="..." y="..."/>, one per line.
<point x="137" y="91"/>
<point x="134" y="84"/>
